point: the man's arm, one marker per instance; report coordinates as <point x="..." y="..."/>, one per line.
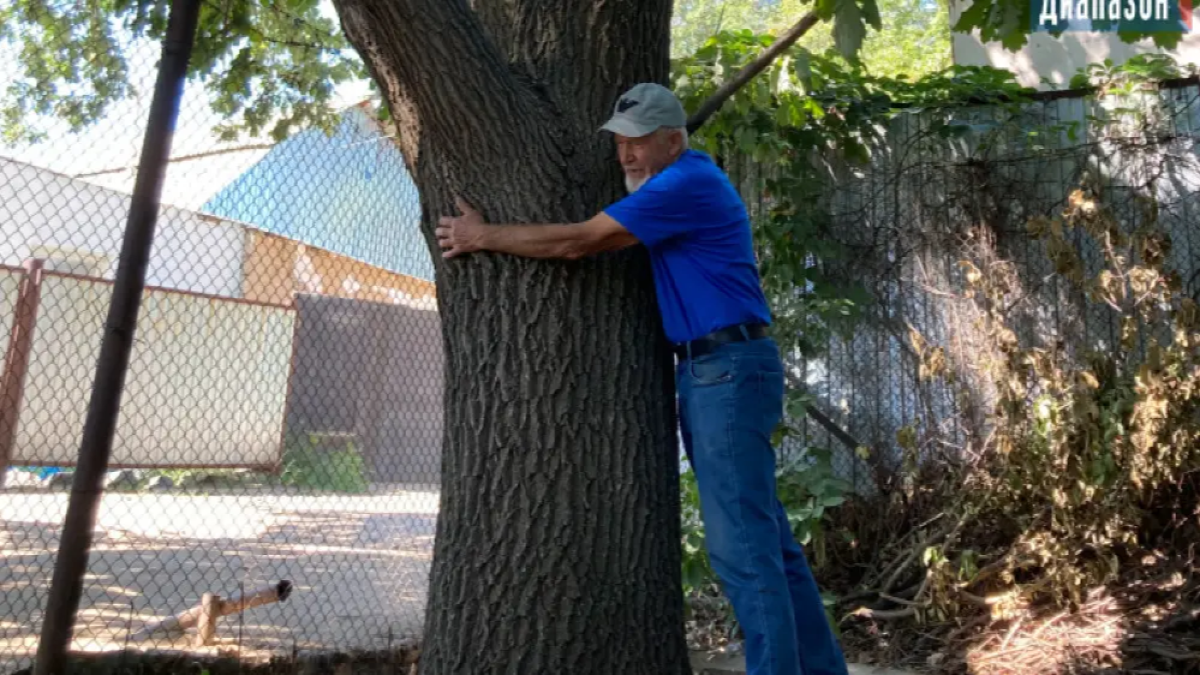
<point x="466" y="233"/>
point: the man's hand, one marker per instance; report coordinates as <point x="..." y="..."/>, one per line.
<point x="460" y="234"/>
<point x="466" y="233"/>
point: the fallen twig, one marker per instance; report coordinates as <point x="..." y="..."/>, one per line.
<point x="1011" y="632"/>
<point x="885" y="614"/>
<point x="902" y="601"/>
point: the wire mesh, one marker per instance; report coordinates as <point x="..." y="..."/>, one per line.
<point x="907" y="220"/>
<point x="281" y="419"/>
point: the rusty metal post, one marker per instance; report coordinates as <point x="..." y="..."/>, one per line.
<point x="70" y="566"/>
<point x="16" y="361"/>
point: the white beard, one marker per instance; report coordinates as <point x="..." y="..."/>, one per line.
<point x="635" y="184"/>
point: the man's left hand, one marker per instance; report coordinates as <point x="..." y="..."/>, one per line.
<point x="457" y="235"/>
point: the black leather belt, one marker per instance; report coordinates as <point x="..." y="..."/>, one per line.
<point x="703" y="345"/>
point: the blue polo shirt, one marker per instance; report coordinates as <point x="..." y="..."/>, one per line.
<point x="695" y="226"/>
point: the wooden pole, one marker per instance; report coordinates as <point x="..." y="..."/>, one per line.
<point x="206" y="627"/>
<point x="212" y="607"/>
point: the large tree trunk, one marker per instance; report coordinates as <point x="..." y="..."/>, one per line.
<point x="557" y="546"/>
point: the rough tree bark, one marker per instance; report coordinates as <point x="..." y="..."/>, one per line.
<point x="557" y="547"/>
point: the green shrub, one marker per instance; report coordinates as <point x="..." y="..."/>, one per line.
<point x="323" y="462"/>
<point x="807" y="488"/>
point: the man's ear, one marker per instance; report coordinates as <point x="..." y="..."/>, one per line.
<point x="676" y="142"/>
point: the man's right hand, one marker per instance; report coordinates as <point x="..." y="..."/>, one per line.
<point x="457" y="235"/>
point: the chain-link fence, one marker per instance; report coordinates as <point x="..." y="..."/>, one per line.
<point x="281" y="420"/>
<point x="947" y="186"/>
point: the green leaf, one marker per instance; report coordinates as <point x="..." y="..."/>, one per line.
<point x="849" y="30"/>
<point x="799" y="515"/>
<point x="1013" y="25"/>
<point x="823" y="456"/>
<point x="780" y="433"/>
<point x="973" y="16"/>
<point x="746" y="140"/>
<point x="803" y="67"/>
<point x="797" y="406"/>
<point x="825" y="8"/>
<point x="783" y="115"/>
<point x="855" y="151"/>
<point x="870" y="12"/>
<point x="930" y="555"/>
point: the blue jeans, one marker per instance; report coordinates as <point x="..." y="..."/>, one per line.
<point x="730" y="401"/>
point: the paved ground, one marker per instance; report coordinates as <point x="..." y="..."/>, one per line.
<point x="360" y="566"/>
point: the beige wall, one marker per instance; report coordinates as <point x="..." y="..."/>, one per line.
<point x="1058" y="58"/>
<point x="206" y="385"/>
<point x="209" y="375"/>
<point x="276" y="268"/>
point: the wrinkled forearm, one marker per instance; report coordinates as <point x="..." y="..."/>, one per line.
<point x="535" y="241"/>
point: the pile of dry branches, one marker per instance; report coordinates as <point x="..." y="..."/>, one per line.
<point x="1042" y="547"/>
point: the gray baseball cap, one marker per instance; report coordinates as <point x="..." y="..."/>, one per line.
<point x="644" y="109"/>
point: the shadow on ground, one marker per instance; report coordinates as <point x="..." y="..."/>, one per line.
<point x="359" y="565"/>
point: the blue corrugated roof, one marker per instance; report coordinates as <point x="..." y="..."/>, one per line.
<point x="349" y="193"/>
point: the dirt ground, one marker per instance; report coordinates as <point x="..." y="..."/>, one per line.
<point x="359" y="565"/>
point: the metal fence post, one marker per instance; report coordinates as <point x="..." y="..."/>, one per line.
<point x="71" y="563"/>
<point x="16" y="362"/>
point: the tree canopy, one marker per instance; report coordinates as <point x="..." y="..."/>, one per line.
<point x="268" y="66"/>
<point x="272" y="66"/>
<point x="914" y="38"/>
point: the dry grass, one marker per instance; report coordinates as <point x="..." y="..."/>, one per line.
<point x="1148" y="623"/>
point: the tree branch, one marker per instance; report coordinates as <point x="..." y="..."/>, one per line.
<point x="714" y="103"/>
<point x="824" y="420"/>
<point x="885" y="614"/>
<point x="832" y="427"/>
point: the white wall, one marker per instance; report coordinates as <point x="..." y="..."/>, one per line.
<point x="207" y="381"/>
<point x="80" y="227"/>
<point x="1058" y="58"/>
